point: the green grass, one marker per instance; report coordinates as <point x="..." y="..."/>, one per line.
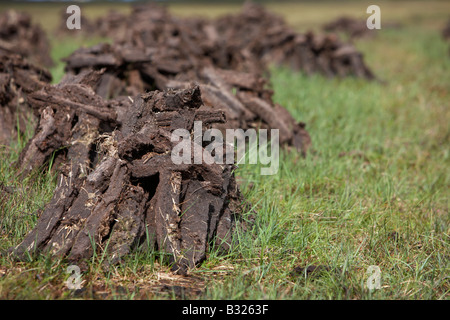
<point x="380" y="166"/>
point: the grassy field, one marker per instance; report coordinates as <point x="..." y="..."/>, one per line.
<point x="374" y="191"/>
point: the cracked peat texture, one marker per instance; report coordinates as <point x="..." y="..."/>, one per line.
<point x="18" y="78"/>
<point x="117" y="186"/>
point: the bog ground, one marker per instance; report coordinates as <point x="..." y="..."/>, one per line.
<point x="373" y="192"/>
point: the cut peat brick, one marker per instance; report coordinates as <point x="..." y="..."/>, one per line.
<point x="19" y="35"/>
<point x="118" y="187"/>
<point x="18" y="78"/>
<point x="242" y="96"/>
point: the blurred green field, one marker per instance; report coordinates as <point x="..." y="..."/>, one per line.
<point x="300" y="14"/>
<point x="375" y="190"/>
